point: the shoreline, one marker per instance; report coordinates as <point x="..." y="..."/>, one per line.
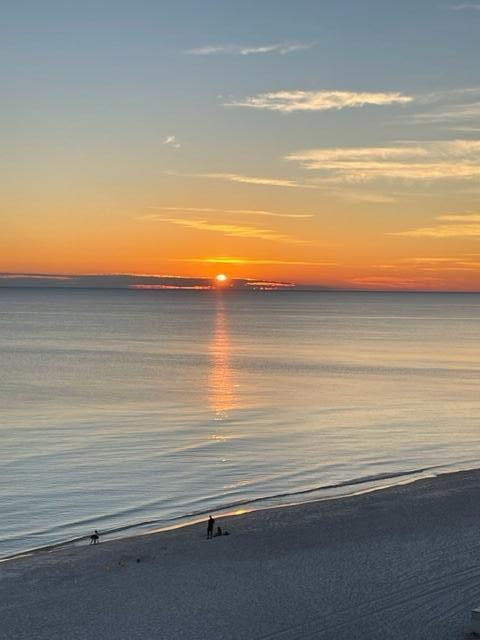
<point x="370" y="484"/>
<point x="398" y="563"/>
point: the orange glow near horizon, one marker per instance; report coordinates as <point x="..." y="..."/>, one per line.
<point x="349" y="249"/>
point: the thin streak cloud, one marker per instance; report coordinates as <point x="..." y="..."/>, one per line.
<point x="456" y="112"/>
<point x="427" y="161"/>
<point x="255" y="180"/>
<point x="281" y="48"/>
<point x="451" y="106"/>
<point x="233" y="177"/>
<point x="448" y="264"/>
<point x="246" y="212"/>
<point x="290" y="101"/>
<point x="253" y="261"/>
<point x="233" y="230"/>
<point x="460" y="217"/>
<point x="450" y="226"/>
<point x="392" y="281"/>
<point x="466" y="6"/>
<point x="363" y="197"/>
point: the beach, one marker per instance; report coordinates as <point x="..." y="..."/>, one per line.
<point x="403" y="562"/>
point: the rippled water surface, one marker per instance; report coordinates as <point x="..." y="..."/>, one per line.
<point x="124" y="407"/>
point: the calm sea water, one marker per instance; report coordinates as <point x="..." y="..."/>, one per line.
<point x="127" y="407"/>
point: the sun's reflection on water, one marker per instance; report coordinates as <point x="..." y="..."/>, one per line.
<point x="221" y="382"/>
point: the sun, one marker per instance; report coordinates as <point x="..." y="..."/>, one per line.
<point x="221" y="278"/>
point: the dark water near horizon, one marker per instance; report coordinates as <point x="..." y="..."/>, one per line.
<point x="128" y="407"/>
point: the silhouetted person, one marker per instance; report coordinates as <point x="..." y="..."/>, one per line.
<point x="210" y="524"/>
<point x="218" y="532"/>
<point x="94" y="538"/>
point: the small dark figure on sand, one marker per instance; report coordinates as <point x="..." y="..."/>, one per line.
<point x="220" y="532"/>
<point x="95" y="537"/>
<point x="210" y="524"/>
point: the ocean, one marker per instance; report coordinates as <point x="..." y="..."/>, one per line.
<point x="129" y="411"/>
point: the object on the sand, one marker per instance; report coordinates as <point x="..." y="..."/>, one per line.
<point x="218" y="532"/>
<point x="475" y="621"/>
<point x="95" y="537"/>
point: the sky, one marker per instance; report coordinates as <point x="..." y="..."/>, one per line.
<point x="325" y="143"/>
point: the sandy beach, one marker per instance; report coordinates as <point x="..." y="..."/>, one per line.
<point x="403" y="562"/>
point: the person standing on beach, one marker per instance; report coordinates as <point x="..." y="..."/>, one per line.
<point x="210" y="524"/>
<point x="94" y="538"/>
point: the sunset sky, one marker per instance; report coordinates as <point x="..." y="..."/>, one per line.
<point x="325" y="142"/>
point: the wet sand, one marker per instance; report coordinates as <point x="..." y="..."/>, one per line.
<point x="399" y="563"/>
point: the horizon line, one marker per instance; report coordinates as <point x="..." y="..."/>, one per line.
<point x="158" y="282"/>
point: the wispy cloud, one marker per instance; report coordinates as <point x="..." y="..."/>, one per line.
<point x="466" y="6"/>
<point x="363" y="196"/>
<point x="428" y="260"/>
<point x="33" y="276"/>
<point x="235" y="177"/>
<point x="242" y="212"/>
<point x="281" y="48"/>
<point x="460" y="217"/>
<point x="252" y="261"/>
<point x="443" y="231"/>
<point x="443" y="95"/>
<point x="464" y="225"/>
<point x="233" y="230"/>
<point x="358" y="196"/>
<point x="449" y="107"/>
<point x="290" y="101"/>
<point x="171" y="141"/>
<point x="393" y="282"/>
<point x="427" y="161"/>
<point x="467" y="262"/>
<point x="419" y="272"/>
<point x="464" y="129"/>
<point x="451" y="113"/>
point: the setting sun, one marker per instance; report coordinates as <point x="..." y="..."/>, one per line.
<point x="221" y="278"/>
